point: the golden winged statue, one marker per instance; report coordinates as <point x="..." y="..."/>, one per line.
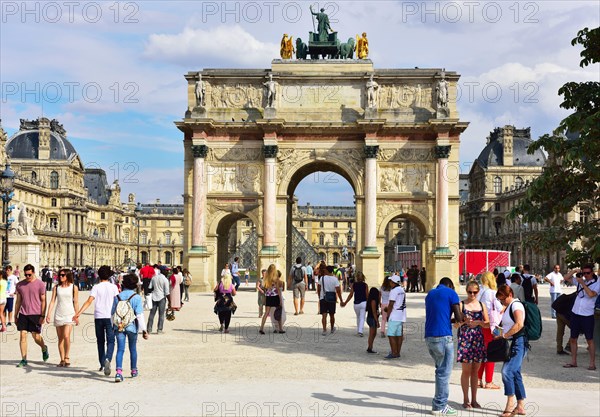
<point x="362" y="46"/>
<point x="287" y="48"/>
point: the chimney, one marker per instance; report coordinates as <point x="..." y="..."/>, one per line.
<point x="44" y="138"/>
<point x="507" y="141"/>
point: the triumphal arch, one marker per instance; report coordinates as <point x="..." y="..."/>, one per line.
<point x="250" y="136"/>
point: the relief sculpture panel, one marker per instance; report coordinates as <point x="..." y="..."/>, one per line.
<point x="243" y="178"/>
<point x="407" y="179"/>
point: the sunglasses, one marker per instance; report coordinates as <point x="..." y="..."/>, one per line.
<point x="62" y="275"/>
<point x="587" y="273"/>
<point x="472" y="292"/>
<point x="28" y="275"/>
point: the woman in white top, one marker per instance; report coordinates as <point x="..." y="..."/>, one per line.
<point x="65" y="296"/>
<point x="513" y="321"/>
<point x="226" y="270"/>
<point x="386" y="287"/>
<point x="487" y="296"/>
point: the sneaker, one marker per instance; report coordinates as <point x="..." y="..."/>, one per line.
<point x="333" y="329"/>
<point x="159" y="332"/>
<point x="106" y="367"/>
<point x="119" y="377"/>
<point x="134" y="373"/>
<point x="360" y="335"/>
<point x="22" y="364"/>
<point x="45" y="354"/>
<point x="324" y="333"/>
<point x="9" y="324"/>
<point x="390" y="356"/>
<point x="446" y="411"/>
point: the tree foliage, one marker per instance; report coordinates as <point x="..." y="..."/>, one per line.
<point x="571" y="179"/>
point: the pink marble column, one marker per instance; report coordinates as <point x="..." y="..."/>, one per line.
<point x="199" y="199"/>
<point x="269" y="196"/>
<point x="371" y="197"/>
<point x="441" y="200"/>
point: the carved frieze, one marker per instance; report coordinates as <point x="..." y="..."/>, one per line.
<point x="405" y="155"/>
<point x="234" y="96"/>
<point x="406" y="179"/>
<point x="243" y="178"/>
<point x="234" y="154"/>
<point x="397" y="96"/>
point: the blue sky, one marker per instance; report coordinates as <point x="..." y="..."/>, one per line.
<point x="112" y="72"/>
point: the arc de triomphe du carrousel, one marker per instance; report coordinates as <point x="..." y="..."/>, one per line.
<point x="251" y="135"/>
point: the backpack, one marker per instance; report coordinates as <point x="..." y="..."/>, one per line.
<point x="527" y="287"/>
<point x="532" y="328"/>
<point x="124" y="314"/>
<point x="298" y="274"/>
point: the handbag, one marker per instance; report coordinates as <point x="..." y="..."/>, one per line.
<point x="564" y="304"/>
<point x="498" y="350"/>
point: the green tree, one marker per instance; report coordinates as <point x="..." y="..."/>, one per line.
<point x="571" y="179"/>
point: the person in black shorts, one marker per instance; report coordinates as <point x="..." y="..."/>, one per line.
<point x="329" y="290"/>
<point x="30" y="311"/>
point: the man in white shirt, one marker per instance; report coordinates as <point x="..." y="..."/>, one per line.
<point x="555" y="279"/>
<point x="103" y="294"/>
<point x="582" y="314"/>
<point x="397" y="316"/>
<point x="329" y="291"/>
<point x="160" y="290"/>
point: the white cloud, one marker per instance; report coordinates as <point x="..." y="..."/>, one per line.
<point x="231" y="44"/>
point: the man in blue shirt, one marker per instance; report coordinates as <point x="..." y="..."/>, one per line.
<point x="235" y="273"/>
<point x="440" y="304"/>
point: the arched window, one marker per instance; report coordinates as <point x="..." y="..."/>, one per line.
<point x="167" y="239"/>
<point x="33" y="176"/>
<point x="336" y="258"/>
<point x="321" y="239"/>
<point x="497" y="185"/>
<point x="518" y="182"/>
<point x="301" y="224"/>
<point x="335" y="239"/>
<point x="53" y="202"/>
<point x="126" y="236"/>
<point x="54" y="180"/>
<point x="320" y="224"/>
<point x="144" y="238"/>
<point x="168" y="257"/>
<point x="144" y="257"/>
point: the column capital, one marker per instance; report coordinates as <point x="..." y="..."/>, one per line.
<point x="371" y="151"/>
<point x="270" y="151"/>
<point x="199" y="151"/>
<point x="442" y="152"/>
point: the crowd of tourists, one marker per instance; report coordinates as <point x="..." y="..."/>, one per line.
<point x="499" y="310"/>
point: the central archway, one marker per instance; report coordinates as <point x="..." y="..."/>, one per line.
<point x="330" y="248"/>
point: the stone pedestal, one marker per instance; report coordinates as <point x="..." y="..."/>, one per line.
<point x="270" y="113"/>
<point x="442" y="113"/>
<point x="370" y="265"/>
<point x="23" y="250"/>
<point x="443" y="260"/>
<point x="199" y="112"/>
<point x="371" y="113"/>
<point x="202" y="278"/>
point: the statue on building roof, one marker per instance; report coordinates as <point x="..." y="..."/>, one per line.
<point x="323" y="25"/>
<point x="287" y="48"/>
<point x="362" y="46"/>
<point x="270" y="91"/>
<point x="372" y="88"/>
<point x="200" y="91"/>
<point x="29" y="124"/>
<point x="56" y="127"/>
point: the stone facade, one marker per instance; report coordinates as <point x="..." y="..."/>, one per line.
<point x="396" y="152"/>
<point x="77" y="218"/>
<point x="497" y="182"/>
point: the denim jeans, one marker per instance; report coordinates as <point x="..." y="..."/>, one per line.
<point x="553" y="296"/>
<point x="104" y="334"/>
<point x="511" y="371"/>
<point x="160" y="306"/>
<point x="441" y="350"/>
<point x="236" y="281"/>
<point x="132" y="339"/>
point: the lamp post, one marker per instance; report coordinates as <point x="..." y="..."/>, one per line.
<point x="95" y="245"/>
<point x="138" y="212"/>
<point x="159" y="249"/>
<point x="350" y="242"/>
<point x="7" y="181"/>
<point x="465" y="236"/>
<point x="148" y="252"/>
<point x="173" y="263"/>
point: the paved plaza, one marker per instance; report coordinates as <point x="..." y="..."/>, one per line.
<point x="192" y="369"/>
